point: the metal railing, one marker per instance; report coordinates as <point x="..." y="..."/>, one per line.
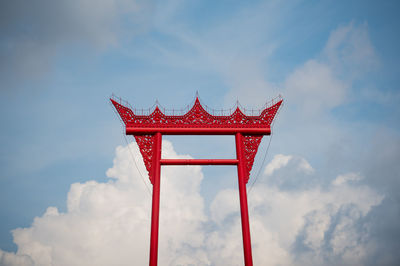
<point x="186" y="109"/>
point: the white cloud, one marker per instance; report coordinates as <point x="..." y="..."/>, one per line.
<point x="109" y="223"/>
<point x="225" y="203"/>
<point x="277" y="162"/>
<point x="304" y="166"/>
<point x="283" y="221"/>
<point x="280" y="160"/>
<point x="341" y="179"/>
<point x="325" y="81"/>
<point x="290" y="172"/>
<point x="11" y="259"/>
<point x="315" y="88"/>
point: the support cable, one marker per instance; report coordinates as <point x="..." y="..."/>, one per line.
<point x="262" y="165"/>
<point x="137" y="167"/>
<point x="266" y="152"/>
<point x="132" y="156"/>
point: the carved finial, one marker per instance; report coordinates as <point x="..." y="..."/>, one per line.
<point x="197" y="99"/>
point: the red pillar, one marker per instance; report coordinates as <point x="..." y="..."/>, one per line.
<point x="248" y="260"/>
<point x="155" y="210"/>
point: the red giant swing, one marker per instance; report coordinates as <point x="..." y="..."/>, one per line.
<point x="148" y="131"/>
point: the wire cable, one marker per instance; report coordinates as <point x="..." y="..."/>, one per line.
<point x="131" y="153"/>
<point x="262" y="165"/>
<point x="137" y="167"/>
<point x="266" y="152"/>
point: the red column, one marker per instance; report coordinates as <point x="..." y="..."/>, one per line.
<point x="248" y="260"/>
<point x="155" y="210"/>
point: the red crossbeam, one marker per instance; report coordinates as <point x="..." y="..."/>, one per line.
<point x="199" y="161"/>
<point x="197" y="131"/>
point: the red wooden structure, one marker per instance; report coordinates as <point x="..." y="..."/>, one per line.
<point x="148" y="131"/>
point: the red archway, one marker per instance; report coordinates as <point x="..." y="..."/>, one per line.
<point x="148" y="131"/>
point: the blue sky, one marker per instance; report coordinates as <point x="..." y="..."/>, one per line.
<point x="335" y="64"/>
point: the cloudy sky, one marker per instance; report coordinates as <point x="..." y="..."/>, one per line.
<point x="326" y="194"/>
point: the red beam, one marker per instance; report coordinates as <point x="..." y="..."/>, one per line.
<point x="155" y="209"/>
<point x="199" y="161"/>
<point x="244" y="212"/>
<point x="197" y="131"/>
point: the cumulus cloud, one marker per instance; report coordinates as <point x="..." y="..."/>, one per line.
<point x="313" y="226"/>
<point x="281" y="160"/>
<point x="277" y="162"/>
<point x="109" y="223"/>
<point x="289" y="172"/>
<point x="341" y="179"/>
<point x="11" y="259"/>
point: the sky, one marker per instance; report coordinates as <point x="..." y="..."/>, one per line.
<point x="74" y="192"/>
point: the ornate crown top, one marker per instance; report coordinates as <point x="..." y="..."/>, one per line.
<point x="197" y="120"/>
<point x="197" y="117"/>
